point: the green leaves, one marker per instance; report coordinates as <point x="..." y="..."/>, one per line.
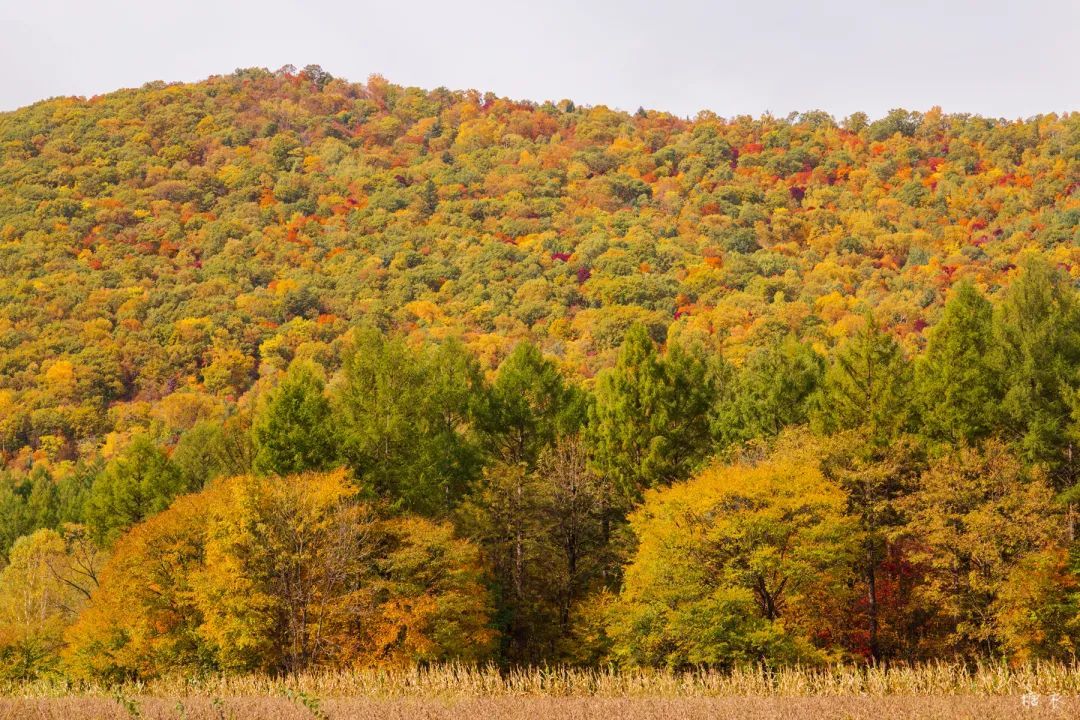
<point x="293" y="431"/>
<point x="1037" y="328"/>
<point x="649" y="424"/>
<point x="773" y="390"/>
<point x="406" y="420"/>
<point x="529" y="405"/>
<point x="134" y="486"/>
<point x="959" y="382"/>
<point x="866" y="386"/>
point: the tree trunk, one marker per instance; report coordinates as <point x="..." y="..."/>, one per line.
<point x="872" y="605"/>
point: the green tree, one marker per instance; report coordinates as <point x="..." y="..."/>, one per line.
<point x="772" y="391"/>
<point x="527" y="407"/>
<point x="866" y="386"/>
<point x="876" y="478"/>
<point x="958" y="382"/>
<point x="293" y="430"/>
<point x="198" y="455"/>
<point x="551" y="537"/>
<point x="649" y="424"/>
<point x="406" y="420"/>
<point x="138" y="483"/>
<point x="1037" y="328"/>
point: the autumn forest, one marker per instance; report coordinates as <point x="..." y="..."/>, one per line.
<point x="298" y="374"/>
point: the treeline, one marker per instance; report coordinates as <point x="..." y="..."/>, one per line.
<point x="193" y="238"/>
<point x="683" y="511"/>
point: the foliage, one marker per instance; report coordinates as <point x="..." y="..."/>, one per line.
<point x="649" y="424"/>
<point x="406" y="420"/>
<point x="978" y="519"/>
<point x="959" y="380"/>
<point x="293" y="431"/>
<point x="280" y="574"/>
<point x="419" y="355"/>
<point x="728" y="562"/>
<point x="44" y="586"/>
<point x="134" y="486"/>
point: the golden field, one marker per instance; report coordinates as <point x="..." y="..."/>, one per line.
<point x="921" y="693"/>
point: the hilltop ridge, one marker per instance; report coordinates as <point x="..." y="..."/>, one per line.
<point x="183" y="238"/>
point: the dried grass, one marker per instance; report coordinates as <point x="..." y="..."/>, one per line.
<point x="939" y="690"/>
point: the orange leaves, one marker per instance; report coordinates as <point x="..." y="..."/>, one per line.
<point x="268" y="573"/>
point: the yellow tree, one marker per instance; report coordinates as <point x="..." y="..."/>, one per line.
<point x="283" y="571"/>
<point x="976" y="518"/>
<point x="729" y="564"/>
<point x="279" y="575"/>
<point x="45" y="584"/>
<point x="143" y="618"/>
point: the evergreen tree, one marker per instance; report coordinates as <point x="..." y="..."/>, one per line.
<point x="406" y="420"/>
<point x="43" y="502"/>
<point x="865" y="399"/>
<point x="72" y="491"/>
<point x="773" y="390"/>
<point x="649" y="424"/>
<point x="866" y="386"/>
<point x="1037" y="328"/>
<point x="958" y="384"/>
<point x="528" y="406"/>
<point x="140" y="482"/>
<point x="293" y="431"/>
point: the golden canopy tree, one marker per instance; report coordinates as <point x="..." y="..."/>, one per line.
<point x="282" y="574"/>
<point x="975" y="526"/>
<point x="45" y="584"/>
<point x="730" y="564"/>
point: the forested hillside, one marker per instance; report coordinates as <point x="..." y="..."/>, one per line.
<point x="302" y="373"/>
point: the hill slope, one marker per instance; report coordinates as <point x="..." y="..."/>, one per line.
<point x="192" y="237"/>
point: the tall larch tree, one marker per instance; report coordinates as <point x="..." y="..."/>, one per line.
<point x="958" y="381"/>
<point x="648" y="425"/>
<point x="1037" y="328"/>
<point x="293" y="430"/>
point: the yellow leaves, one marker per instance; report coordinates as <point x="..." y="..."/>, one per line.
<point x="230" y="174"/>
<point x="181" y="410"/>
<point x="402" y="632"/>
<point x="476" y="134"/>
<point x="425" y="311"/>
<point x="191" y="328"/>
<point x="738" y="549"/>
<point x="36" y="602"/>
<point x="206" y="126"/>
<point x="269" y="573"/>
<point x="60" y="377"/>
<point x="283" y="286"/>
<point x="834" y="306"/>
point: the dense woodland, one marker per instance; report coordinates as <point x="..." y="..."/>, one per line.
<point x="301" y="373"/>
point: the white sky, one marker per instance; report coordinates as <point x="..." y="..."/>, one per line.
<point x="991" y="57"/>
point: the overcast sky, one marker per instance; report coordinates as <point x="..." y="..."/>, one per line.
<point x="1010" y="59"/>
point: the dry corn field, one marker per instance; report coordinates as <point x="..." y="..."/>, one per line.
<point x="921" y="693"/>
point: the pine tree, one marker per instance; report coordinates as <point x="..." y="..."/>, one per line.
<point x="139" y="483"/>
<point x="958" y="383"/>
<point x="528" y="407"/>
<point x="1037" y="328"/>
<point x="772" y="390"/>
<point x="866" y="386"/>
<point x="293" y="432"/>
<point x="650" y="423"/>
<point x="406" y="420"/>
